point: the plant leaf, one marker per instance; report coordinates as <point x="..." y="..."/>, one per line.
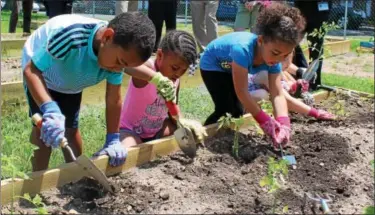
<point x="37" y="200"/>
<point x="264" y="181"/>
<point x="42" y="210"/>
<point x="369" y="210"/>
<point x="285" y="209"/>
<point x="27" y="197"/>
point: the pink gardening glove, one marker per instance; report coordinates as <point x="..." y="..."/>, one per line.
<point x="321" y="114"/>
<point x="266" y="3"/>
<point x="299" y="83"/>
<point x="268" y="124"/>
<point x="283" y="134"/>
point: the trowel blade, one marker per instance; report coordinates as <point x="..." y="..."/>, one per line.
<point x="185" y="140"/>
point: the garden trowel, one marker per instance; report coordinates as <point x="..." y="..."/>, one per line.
<point x="183" y="135"/>
<point x="82" y="160"/>
<point x="290" y="158"/>
<point x="310" y="72"/>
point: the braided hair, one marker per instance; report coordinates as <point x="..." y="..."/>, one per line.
<point x="181" y="43"/>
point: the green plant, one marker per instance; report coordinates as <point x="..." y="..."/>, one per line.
<point x="320" y="33"/>
<point x="8" y="168"/>
<point x="339" y="108"/>
<point x="226" y="122"/>
<point x="37" y="202"/>
<point x="276" y="174"/>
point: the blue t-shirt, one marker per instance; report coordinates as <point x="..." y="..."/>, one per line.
<point x="238" y="47"/>
<point x="63" y="50"/>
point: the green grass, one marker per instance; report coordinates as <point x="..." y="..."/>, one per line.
<point x="16" y="126"/>
<point x="5" y="18"/>
<point x="368" y="68"/>
<point x="349" y="82"/>
<point x="355" y="41"/>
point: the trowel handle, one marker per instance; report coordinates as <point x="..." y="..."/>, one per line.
<point x="173" y="108"/>
<point x="37" y="120"/>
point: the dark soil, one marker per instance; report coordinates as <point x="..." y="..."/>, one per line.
<point x="332" y="158"/>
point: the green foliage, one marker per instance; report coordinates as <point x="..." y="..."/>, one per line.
<point x="369" y="210"/>
<point x="339" y="108"/>
<point x="320" y="33"/>
<point x="37" y="202"/>
<point x="226" y="122"/>
<point x="277" y="171"/>
<point x="8" y="168"/>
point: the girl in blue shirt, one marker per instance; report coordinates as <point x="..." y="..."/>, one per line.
<point x="227" y="61"/>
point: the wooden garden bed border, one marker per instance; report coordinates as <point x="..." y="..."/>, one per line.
<point x="70" y="172"/>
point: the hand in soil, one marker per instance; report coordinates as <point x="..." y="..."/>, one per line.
<point x="321" y="114"/>
<point x="283" y="134"/>
<point x="325" y="115"/>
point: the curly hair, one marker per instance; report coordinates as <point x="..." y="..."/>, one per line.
<point x="134" y="29"/>
<point x="181" y="43"/>
<point x="281" y="22"/>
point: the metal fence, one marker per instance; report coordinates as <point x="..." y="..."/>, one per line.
<point x="353" y="17"/>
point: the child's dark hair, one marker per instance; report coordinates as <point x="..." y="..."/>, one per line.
<point x="281" y="22"/>
<point x="182" y="43"/>
<point x="135" y="30"/>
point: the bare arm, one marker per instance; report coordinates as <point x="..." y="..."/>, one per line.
<point x="240" y="81"/>
<point x="113" y="107"/>
<point x="35" y="84"/>
<point x="143" y="72"/>
<point x="277" y="96"/>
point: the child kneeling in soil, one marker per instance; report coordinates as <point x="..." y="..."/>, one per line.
<point x="227" y="61"/>
<point x="258" y="88"/>
<point x="68" y="54"/>
<point x="144" y="115"/>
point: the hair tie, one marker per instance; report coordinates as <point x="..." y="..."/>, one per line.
<point x="193" y="67"/>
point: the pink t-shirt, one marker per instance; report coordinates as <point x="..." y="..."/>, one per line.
<point x="143" y="110"/>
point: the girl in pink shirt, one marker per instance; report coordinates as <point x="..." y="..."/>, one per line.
<point x="144" y="115"/>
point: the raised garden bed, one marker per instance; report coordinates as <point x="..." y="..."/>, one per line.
<point x="332" y="158"/>
<point x="332" y="47"/>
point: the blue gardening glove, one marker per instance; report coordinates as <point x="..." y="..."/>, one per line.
<point x="114" y="149"/>
<point x="53" y="125"/>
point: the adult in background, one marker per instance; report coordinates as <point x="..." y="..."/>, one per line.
<point x="160" y="11"/>
<point x="315" y="12"/>
<point x="204" y="21"/>
<point x="27" y="6"/>
<point x="247" y="14"/>
<point x="55" y="8"/>
<point x="126" y="6"/>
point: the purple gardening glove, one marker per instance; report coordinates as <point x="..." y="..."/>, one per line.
<point x="114" y="149"/>
<point x="53" y="125"/>
<point x="321" y="114"/>
<point x="268" y="124"/>
<point x="283" y="134"/>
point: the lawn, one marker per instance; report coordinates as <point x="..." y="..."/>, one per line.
<point x="349" y="82"/>
<point x="5" y="18"/>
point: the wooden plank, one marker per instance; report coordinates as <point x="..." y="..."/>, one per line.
<point x="70" y="172"/>
<point x="12" y="44"/>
